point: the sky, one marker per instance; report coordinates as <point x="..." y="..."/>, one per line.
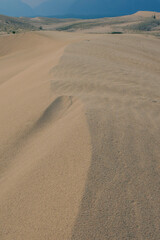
<point x="76" y="8"/>
<point x="33" y="3"/>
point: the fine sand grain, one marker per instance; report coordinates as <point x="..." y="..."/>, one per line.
<point x="80" y="137"/>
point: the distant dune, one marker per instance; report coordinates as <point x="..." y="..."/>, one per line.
<point x="80" y="134"/>
<point x="139" y="22"/>
<point x="147" y="13"/>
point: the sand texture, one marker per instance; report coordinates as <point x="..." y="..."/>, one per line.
<point x="79" y="136"/>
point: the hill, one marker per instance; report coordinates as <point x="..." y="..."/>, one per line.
<point x="13" y="25"/>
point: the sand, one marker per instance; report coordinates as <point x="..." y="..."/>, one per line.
<point x="80" y="136"/>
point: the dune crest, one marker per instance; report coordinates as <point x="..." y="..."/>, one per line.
<point x="45" y="142"/>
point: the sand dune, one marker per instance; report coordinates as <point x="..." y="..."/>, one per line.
<point x="147" y="13"/>
<point x="80" y="136"/>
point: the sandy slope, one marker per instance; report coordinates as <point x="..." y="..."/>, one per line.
<point x="45" y="142"/>
<point x="80" y="137"/>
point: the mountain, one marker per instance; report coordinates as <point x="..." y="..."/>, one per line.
<point x="110" y="8"/>
<point x="15" y="8"/>
<point x="53" y="7"/>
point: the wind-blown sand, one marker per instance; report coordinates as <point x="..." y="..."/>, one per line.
<point x="80" y="137"/>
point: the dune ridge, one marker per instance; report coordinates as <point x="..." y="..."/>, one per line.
<point x="41" y="175"/>
<point x="79" y="136"/>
